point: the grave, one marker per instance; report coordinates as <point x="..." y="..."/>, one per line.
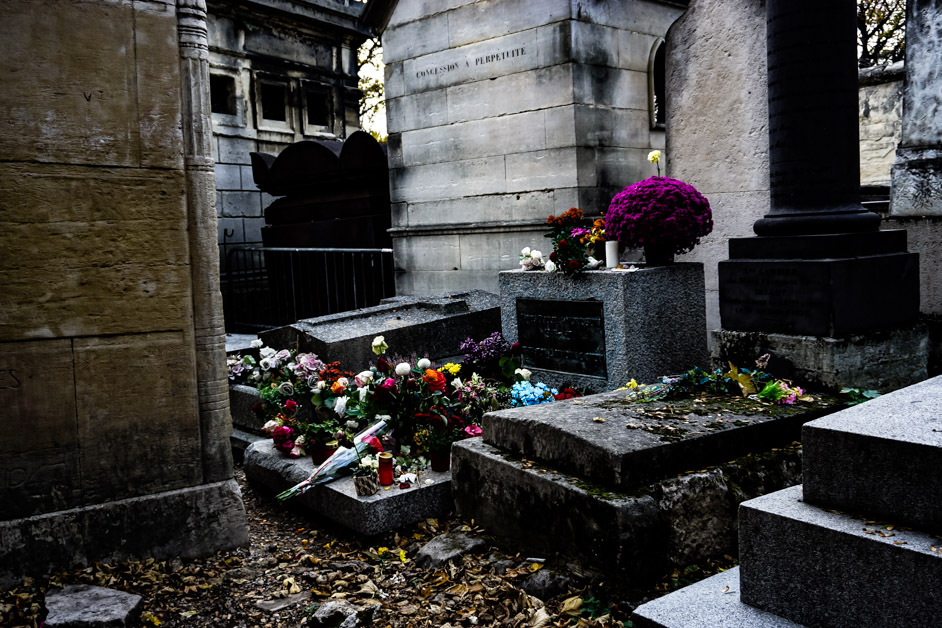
<point x="599" y="330"/>
<point x="626" y="488"/>
<point x="434" y="325"/>
<point x="818" y="266"/>
<point x="387" y="510"/>
<point x="856" y="545"/>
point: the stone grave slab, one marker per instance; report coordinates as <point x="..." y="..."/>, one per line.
<point x="338" y="501"/>
<point x="602" y="328"/>
<point x="615" y="442"/>
<point x="434" y="325"/>
<point x="821" y="568"/>
<point x="87" y="606"/>
<point x="881" y="458"/>
<point x="712" y="602"/>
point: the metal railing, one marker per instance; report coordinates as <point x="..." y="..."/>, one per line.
<point x="268" y="287"/>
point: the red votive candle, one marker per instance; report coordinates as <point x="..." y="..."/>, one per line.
<point x="385" y="468"/>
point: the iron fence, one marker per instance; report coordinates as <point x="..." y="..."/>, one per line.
<point x="267" y="287"/>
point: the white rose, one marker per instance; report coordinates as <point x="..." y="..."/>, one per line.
<point x="363" y="391"/>
<point x="364" y="378"/>
<point x="266" y="352"/>
<point x="352" y="425"/>
<point x="403" y="369"/>
<point x="265" y="363"/>
<point x="424" y="364"/>
<point x="341" y="406"/>
<point x="300" y="440"/>
<point x="270" y="426"/>
<point x="526" y="251"/>
<point x="536" y="255"/>
<point x="257" y="343"/>
<point x="549" y="267"/>
<point x="321" y="385"/>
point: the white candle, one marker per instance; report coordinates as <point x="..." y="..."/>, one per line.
<point x="611" y="253"/>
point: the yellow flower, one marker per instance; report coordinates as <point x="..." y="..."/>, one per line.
<point x="654" y="156"/>
<point x="382" y="551"/>
<point x="632" y="384"/>
<point x="452" y="369"/>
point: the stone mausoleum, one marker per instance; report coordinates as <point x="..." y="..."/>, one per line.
<point x="502" y="112"/>
<point x="114" y="420"/>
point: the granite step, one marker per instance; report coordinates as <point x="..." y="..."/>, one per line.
<point x="712" y="602"/>
<point x="624" y="444"/>
<point x="637" y="536"/>
<point x="824" y="568"/>
<point x="881" y="458"/>
<point x="391" y="508"/>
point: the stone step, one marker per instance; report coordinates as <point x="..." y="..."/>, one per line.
<point x="821" y="568"/>
<point x="625" y="444"/>
<point x="636" y="536"/>
<point x="387" y="510"/>
<point x="881" y="458"/>
<point x="712" y="602"/>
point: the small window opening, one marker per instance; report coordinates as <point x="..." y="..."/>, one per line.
<point x="274" y="101"/>
<point x="659" y="80"/>
<point x="222" y="94"/>
<point x="318" y="107"/>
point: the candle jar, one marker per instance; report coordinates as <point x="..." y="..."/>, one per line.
<point x="611" y="253"/>
<point x="385" y="469"/>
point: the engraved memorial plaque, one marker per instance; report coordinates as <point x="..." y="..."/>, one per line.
<point x="567" y="336"/>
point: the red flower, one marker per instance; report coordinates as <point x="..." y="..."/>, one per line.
<point x="291" y="405"/>
<point x="435" y="380"/>
<point x="282" y="435"/>
<point x="373" y="442"/>
<point x="563" y="245"/>
<point x="573" y="265"/>
<point x="553" y="257"/>
<point x="383" y="365"/>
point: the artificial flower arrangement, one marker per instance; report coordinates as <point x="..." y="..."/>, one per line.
<point x="663" y="216"/>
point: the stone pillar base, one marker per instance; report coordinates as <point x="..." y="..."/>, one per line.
<point x="189" y="522"/>
<point x="884" y="360"/>
<point x="916" y="182"/>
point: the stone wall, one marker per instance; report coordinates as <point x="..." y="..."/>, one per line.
<point x="110" y="338"/>
<point x="881" y="108"/>
<point x="311" y="54"/>
<point x="502" y="112"/>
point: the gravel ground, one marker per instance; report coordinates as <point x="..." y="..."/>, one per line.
<point x="302" y="564"/>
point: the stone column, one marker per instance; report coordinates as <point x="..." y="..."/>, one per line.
<point x="916" y="179"/>
<point x="814" y="151"/>
<point x="209" y="326"/>
<point x="820" y="277"/>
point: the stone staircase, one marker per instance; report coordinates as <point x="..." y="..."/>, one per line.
<point x="857" y="545"/>
<point x="622" y="487"/>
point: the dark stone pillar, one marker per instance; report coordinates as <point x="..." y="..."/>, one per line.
<point x="819" y="266"/>
<point x="814" y="152"/>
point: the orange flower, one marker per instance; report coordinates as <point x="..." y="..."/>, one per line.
<point x="435" y="380"/>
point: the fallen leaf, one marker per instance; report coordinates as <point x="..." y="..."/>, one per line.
<point x="571" y="606"/>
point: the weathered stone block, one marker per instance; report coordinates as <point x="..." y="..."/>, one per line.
<point x="435" y="326"/>
<point x="429" y="252"/>
<point x="235" y="150"/>
<point x="880" y="458"/>
<point x="338" y="501"/>
<point x="539" y="170"/>
<point x="541" y="88"/>
<point x="713" y="602"/>
<point x="417" y="111"/>
<point x="83" y="605"/>
<point x="459" y="179"/>
<point x="241" y="204"/>
<point x="634" y="310"/>
<point x="567" y="435"/>
<point x="185" y="523"/>
<point x="118" y="425"/>
<point x="871" y="577"/>
<point x="884" y="360"/>
<point x="39" y="462"/>
<point x="228" y="177"/>
<point x="69" y="247"/>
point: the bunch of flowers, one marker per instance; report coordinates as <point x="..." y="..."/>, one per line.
<point x="781" y="392"/>
<point x="524" y="393"/>
<point x="531" y="259"/>
<point x="475" y="396"/>
<point x="569" y="253"/>
<point x="592" y="239"/>
<point x="659" y="212"/>
<point x="493" y="357"/>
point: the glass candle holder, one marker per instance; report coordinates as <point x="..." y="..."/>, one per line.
<point x="385" y="468"/>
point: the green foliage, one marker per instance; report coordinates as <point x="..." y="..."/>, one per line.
<point x="858" y="395"/>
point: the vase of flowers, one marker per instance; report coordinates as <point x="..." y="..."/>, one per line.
<point x="662" y="216"/>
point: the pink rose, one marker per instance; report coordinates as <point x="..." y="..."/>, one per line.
<point x="282" y="434"/>
<point x="472" y="431"/>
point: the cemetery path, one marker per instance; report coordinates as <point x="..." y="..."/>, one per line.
<point x="295" y="564"/>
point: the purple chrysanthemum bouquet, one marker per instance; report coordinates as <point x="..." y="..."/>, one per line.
<point x="659" y="213"/>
